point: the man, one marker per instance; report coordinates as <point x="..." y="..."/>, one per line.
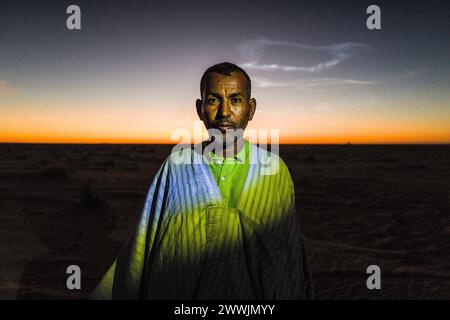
<point x="219" y="220"/>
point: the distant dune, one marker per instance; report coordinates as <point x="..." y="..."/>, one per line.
<point x="359" y="205"/>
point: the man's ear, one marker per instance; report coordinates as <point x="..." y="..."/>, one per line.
<point x="198" y="105"/>
<point x="252" y="104"/>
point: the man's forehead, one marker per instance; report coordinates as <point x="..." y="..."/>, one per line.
<point x="236" y="80"/>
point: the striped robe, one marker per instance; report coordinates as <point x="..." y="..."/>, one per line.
<point x="190" y="245"/>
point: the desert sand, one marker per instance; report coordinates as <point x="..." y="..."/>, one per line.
<point x="359" y="205"/>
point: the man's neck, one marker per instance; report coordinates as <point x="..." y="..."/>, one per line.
<point x="231" y="150"/>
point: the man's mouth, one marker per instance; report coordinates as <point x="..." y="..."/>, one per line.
<point x="225" y="126"/>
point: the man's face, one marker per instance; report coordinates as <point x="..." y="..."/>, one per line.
<point x="225" y="105"/>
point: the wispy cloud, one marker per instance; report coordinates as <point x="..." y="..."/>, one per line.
<point x="264" y="83"/>
<point x="253" y="50"/>
<point x="6" y="90"/>
<point x="312" y="84"/>
<point x="409" y="74"/>
<point x="332" y="82"/>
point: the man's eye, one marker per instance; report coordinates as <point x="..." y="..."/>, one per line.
<point x="212" y="101"/>
<point x="235" y="100"/>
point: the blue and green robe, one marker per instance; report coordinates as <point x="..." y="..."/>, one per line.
<point x="190" y="245"/>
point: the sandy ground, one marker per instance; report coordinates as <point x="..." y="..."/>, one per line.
<point x="359" y="205"/>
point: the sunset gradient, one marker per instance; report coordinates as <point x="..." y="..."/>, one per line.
<point x="132" y="74"/>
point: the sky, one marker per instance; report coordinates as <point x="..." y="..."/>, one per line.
<point x="132" y="73"/>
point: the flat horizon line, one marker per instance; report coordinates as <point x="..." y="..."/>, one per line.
<point x="169" y="144"/>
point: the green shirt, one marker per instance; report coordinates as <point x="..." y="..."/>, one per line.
<point x="230" y="173"/>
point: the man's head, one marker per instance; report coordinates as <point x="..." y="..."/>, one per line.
<point x="226" y="102"/>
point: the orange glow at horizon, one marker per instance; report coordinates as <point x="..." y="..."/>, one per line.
<point x="405" y="137"/>
<point x="99" y="126"/>
<point x="400" y="139"/>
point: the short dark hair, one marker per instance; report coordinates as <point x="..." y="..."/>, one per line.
<point x="225" y="68"/>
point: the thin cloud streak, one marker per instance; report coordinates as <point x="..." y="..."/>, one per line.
<point x="318" y="84"/>
<point x="252" y="51"/>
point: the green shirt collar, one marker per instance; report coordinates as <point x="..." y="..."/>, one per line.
<point x="240" y="157"/>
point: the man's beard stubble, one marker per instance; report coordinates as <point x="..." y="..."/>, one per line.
<point x="226" y="140"/>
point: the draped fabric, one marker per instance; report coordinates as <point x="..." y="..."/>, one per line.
<point x="190" y="245"/>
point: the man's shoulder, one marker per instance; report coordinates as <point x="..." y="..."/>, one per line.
<point x="270" y="161"/>
<point x="183" y="155"/>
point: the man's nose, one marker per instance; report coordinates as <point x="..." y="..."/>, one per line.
<point x="225" y="110"/>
